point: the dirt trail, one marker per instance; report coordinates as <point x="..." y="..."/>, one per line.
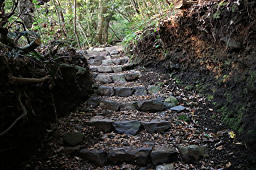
<point x="138" y="119"/>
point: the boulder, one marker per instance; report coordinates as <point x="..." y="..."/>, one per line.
<point x="104" y="78"/>
<point x="140" y="91"/>
<point x="102" y="124"/>
<point x="163" y="154"/>
<point x="107" y="62"/>
<point x="127" y="127"/>
<point x="159" y="126"/>
<point x="119" y="155"/>
<point x="93" y="101"/>
<point x="105" y="91"/>
<point x="152" y="105"/>
<point x="117" y="69"/>
<point x="141" y="156"/>
<point x="193" y="153"/>
<point x="123" y="91"/>
<point x="128" y="106"/>
<point x="153" y="89"/>
<point x="118" y="78"/>
<point x="132" y="76"/>
<point x="98" y="157"/>
<point x="110" y="105"/>
<point x="105" y="69"/>
<point x="73" y="138"/>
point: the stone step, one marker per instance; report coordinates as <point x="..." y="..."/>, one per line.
<point x="144" y="156"/>
<point x="147" y="104"/>
<point x="129" y="127"/>
<point x="121" y="91"/>
<point x="110" y="69"/>
<point x="107" y="78"/>
<point x="107" y="61"/>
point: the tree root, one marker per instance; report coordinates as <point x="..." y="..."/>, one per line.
<point x="21" y="80"/>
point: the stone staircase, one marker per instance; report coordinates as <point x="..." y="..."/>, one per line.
<point x="129" y="117"/>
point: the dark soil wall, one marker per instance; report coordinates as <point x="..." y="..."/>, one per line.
<point x="212" y="49"/>
<point x="69" y="85"/>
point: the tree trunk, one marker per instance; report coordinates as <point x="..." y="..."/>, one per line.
<point x="26" y="10"/>
<point x="101" y="20"/>
<point x="75" y="29"/>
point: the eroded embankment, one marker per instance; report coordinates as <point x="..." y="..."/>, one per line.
<point x="211" y="48"/>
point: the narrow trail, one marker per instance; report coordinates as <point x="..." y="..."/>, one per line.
<point x="138" y="119"/>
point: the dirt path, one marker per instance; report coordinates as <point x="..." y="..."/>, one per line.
<point x="138" y="119"/>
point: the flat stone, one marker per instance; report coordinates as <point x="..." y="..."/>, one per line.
<point x="152" y="105"/>
<point x="93" y="102"/>
<point x="120" y="61"/>
<point x="119" y="155"/>
<point x="95" y="62"/>
<point x="127" y="127"/>
<point x="105" y="91"/>
<point x="118" y="78"/>
<point x="141" y="156"/>
<point x="193" y="153"/>
<point x="98" y="49"/>
<point x="98" y="157"/>
<point x="73" y="138"/>
<point x="94" y="69"/>
<point x="110" y="105"/>
<point x="140" y="91"/>
<point x="178" y="108"/>
<point x="163" y="154"/>
<point x="156" y="126"/>
<point x="114" y="52"/>
<point x="102" y="78"/>
<point x="102" y="123"/>
<point x="128" y="106"/>
<point x="132" y="76"/>
<point x="117" y="69"/>
<point x="72" y="149"/>
<point x="138" y="156"/>
<point x="165" y="167"/>
<point x="105" y="69"/>
<point x="153" y="89"/>
<point x="107" y="62"/>
<point x="123" y="91"/>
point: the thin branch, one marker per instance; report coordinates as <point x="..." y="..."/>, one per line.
<point x="25" y="112"/>
<point x="21" y="80"/>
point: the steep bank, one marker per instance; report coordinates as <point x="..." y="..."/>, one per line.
<point x="211" y="47"/>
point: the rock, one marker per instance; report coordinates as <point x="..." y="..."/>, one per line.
<point x="117" y="69"/>
<point x="140" y="91"/>
<point x="95" y="62"/>
<point x="99" y="122"/>
<point x="127" y="127"/>
<point x="156" y="126"/>
<point x="114" y="52"/>
<point x="98" y="49"/>
<point x="193" y="153"/>
<point x="178" y="108"/>
<point x="107" y="62"/>
<point x="163" y="154"/>
<point x="165" y="167"/>
<point x="98" y="157"/>
<point x="172" y="100"/>
<point x="153" y="89"/>
<point x="94" y="69"/>
<point x="93" y="101"/>
<point x="72" y="149"/>
<point x="103" y="78"/>
<point x="128" y="106"/>
<point x="105" y="91"/>
<point x="123" y="91"/>
<point x="119" y="155"/>
<point x="73" y="138"/>
<point x="110" y="105"/>
<point x="121" y="61"/>
<point x="118" y="78"/>
<point x="138" y="156"/>
<point x="105" y="69"/>
<point x="132" y="76"/>
<point x="152" y="105"/>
